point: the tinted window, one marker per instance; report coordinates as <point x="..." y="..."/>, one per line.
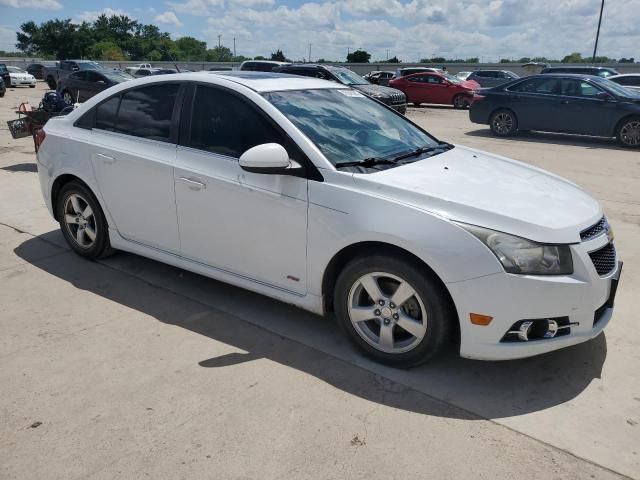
<point x="578" y="88"/>
<point x="146" y="112"/>
<point x="93" y="76"/>
<point x="225" y="124"/>
<point x="433" y="79"/>
<point x="548" y="86"/>
<point x="79" y="76"/>
<point x="106" y="114"/>
<point x="633" y="81"/>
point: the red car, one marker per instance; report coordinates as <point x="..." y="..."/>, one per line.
<point x="428" y="87"/>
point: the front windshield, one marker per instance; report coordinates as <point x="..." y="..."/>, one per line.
<point x="617" y="89"/>
<point x="451" y="78"/>
<point x="90" y="66"/>
<point x="606" y="73"/>
<point x="347" y="126"/>
<point x="348" y="77"/>
<point x="118" y="77"/>
<point x="15" y="70"/>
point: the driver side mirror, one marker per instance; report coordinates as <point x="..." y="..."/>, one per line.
<point x="268" y="158"/>
<point x="75" y="68"/>
<point x="604" y="96"/>
<point x="101" y="81"/>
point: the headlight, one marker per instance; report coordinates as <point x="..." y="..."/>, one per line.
<point x="522" y="256"/>
<point x="378" y="95"/>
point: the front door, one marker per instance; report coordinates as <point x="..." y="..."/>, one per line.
<point x="133" y="155"/>
<point x="249" y="224"/>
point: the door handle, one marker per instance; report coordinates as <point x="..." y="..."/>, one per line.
<point x="564" y="102"/>
<point x="193" y="184"/>
<point x="106" y="158"/>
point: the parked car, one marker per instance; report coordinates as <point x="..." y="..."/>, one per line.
<point x="463" y="75"/>
<point x="435" y="88"/>
<point x="578" y="104"/>
<point x="628" y="80"/>
<point x="20" y="78"/>
<point x="311" y="193"/>
<point x="586" y="70"/>
<point x="82" y="85"/>
<point x="403" y="72"/>
<point x="65" y="68"/>
<point x="220" y="69"/>
<point x="261" y="65"/>
<point x="389" y="96"/>
<point x="143" y="72"/>
<point x="37" y="70"/>
<point x="4" y="73"/>
<point x="164" y="71"/>
<point x="3" y="88"/>
<point x="380" y="78"/>
<point x="492" y="78"/>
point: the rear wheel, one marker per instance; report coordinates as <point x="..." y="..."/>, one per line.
<point x="416" y="104"/>
<point x="392" y="311"/>
<point x="628" y="134"/>
<point x="32" y="86"/>
<point x="503" y="123"/>
<point x="67" y="97"/>
<point x="461" y="102"/>
<point x="82" y="221"/>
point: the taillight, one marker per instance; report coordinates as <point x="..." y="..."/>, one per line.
<point x="40" y="136"/>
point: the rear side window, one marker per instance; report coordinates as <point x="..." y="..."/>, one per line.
<point x="146" y="112"/>
<point x="633" y="81"/>
<point x="105" y="115"/>
<point x="225" y="124"/>
<point x="547" y="86"/>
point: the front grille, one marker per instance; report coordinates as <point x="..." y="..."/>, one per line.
<point x="398" y="98"/>
<point x="604" y="259"/>
<point x="601" y="227"/>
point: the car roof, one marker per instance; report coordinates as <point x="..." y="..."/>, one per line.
<point x="266" y="81"/>
<point x="625" y="75"/>
<point x="584" y="76"/>
<point x="576" y="67"/>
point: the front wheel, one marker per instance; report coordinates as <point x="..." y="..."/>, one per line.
<point x="461" y="102"/>
<point x="67" y="97"/>
<point x="628" y="134"/>
<point x="82" y="221"/>
<point x="503" y="123"/>
<point x="392" y="311"/>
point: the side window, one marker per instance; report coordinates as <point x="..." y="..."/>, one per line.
<point x="93" y="76"/>
<point x="225" y="124"/>
<point x="417" y="79"/>
<point x="82" y="76"/>
<point x="546" y="86"/>
<point x="146" y="112"/>
<point x="106" y="114"/>
<point x="433" y="79"/>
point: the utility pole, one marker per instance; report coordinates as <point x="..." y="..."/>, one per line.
<point x="309" y="53"/>
<point x="219" y="42"/>
<point x="595" y="48"/>
<point x="387" y="54"/>
<point x="234" y="47"/>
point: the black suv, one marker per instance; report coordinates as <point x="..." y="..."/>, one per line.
<point x="3" y="89"/>
<point x="596" y="71"/>
<point x="389" y="96"/>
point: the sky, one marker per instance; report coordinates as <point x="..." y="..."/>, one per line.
<point x="410" y="30"/>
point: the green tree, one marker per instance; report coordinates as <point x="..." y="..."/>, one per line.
<point x="359" y="56"/>
<point x="472" y="60"/>
<point x="219" y="54"/>
<point x="394" y="59"/>
<point x="524" y="60"/>
<point x="434" y="60"/>
<point x="107" y="50"/>
<point x="278" y="56"/>
<point x="575" y="57"/>
<point x="260" y="57"/>
<point x="190" y="48"/>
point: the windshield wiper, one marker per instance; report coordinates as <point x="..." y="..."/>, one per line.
<point x="367" y="162"/>
<point x="421" y="150"/>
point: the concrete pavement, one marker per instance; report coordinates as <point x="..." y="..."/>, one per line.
<point x="135" y="368"/>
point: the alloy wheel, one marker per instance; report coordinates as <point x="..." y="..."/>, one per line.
<point x="503" y="123"/>
<point x="630" y="133"/>
<point x="68" y="99"/>
<point x="80" y="221"/>
<point x="387" y="312"/>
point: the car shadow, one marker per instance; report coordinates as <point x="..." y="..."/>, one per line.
<point x="21" y="167"/>
<point x="553" y="138"/>
<point x="267" y="329"/>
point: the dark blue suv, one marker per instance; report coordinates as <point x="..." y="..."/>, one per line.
<point x="576" y="104"/>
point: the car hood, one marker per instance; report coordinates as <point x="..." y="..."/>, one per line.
<point x="482" y="189"/>
<point x="376" y="89"/>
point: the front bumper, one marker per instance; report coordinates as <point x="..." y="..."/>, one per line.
<point x="585" y="297"/>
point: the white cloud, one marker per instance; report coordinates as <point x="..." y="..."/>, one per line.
<point x="251" y="3"/>
<point x="196" y="7"/>
<point x="42" y="4"/>
<point x="169" y="18"/>
<point x="7" y="38"/>
<point x="92" y="16"/>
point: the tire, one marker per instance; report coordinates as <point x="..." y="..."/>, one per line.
<point x="67" y="97"/>
<point x="461" y="102"/>
<point x="87" y="234"/>
<point x="426" y="310"/>
<point x="503" y="123"/>
<point x="51" y="83"/>
<point x="416" y="104"/>
<point x="32" y="86"/>
<point x="628" y="132"/>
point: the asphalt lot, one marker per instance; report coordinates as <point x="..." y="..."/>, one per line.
<point x="128" y="368"/>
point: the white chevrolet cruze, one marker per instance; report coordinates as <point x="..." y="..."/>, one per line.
<point x="311" y="193"/>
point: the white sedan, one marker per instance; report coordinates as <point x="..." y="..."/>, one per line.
<point x="311" y="193"/>
<point x="20" y="77"/>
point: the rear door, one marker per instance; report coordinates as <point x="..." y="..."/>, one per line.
<point x="134" y="151"/>
<point x="95" y="83"/>
<point x="533" y="102"/>
<point x="437" y="90"/>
